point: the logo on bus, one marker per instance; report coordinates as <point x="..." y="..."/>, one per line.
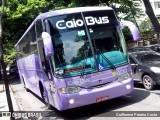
<point x="121" y="71"/>
<point x="78" y="23"/>
<point x="100" y="66"/>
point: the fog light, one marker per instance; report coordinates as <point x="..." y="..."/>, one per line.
<point x="128" y="87"/>
<point x="71" y="101"/>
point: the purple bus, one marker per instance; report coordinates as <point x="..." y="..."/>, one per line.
<point x="75" y="57"/>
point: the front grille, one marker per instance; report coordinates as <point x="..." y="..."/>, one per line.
<point x="101" y="85"/>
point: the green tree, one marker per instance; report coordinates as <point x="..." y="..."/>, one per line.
<point x="128" y="9"/>
<point x="17" y="17"/>
<point x="145" y="25"/>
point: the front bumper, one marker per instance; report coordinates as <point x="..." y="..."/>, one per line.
<point x="90" y="96"/>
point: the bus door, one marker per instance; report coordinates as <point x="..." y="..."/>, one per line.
<point x="45" y="72"/>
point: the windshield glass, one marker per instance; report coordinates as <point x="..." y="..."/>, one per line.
<point x="148" y="57"/>
<point x="106" y="41"/>
<point x="79" y="48"/>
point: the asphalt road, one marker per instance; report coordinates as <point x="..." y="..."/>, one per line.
<point x="139" y="100"/>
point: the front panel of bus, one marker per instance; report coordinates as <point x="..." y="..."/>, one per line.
<point x="90" y="62"/>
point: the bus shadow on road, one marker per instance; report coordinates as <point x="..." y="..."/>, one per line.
<point x="139" y="85"/>
<point x="154" y="91"/>
<point x="99" y="109"/>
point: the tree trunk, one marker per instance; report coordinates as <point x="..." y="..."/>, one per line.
<point x="0" y="73"/>
<point x="152" y="17"/>
<point x="3" y="66"/>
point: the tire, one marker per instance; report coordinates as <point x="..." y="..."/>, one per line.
<point x="148" y="82"/>
<point x="44" y="97"/>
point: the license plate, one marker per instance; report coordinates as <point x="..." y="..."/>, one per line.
<point x="102" y="99"/>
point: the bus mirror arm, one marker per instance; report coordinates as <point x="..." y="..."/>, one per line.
<point x="48" y="46"/>
<point x="132" y="27"/>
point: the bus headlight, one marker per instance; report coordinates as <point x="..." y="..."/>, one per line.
<point x="69" y="90"/>
<point x="124" y="77"/>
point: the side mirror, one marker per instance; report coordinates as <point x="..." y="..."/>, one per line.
<point x="134" y="30"/>
<point x="48" y="46"/>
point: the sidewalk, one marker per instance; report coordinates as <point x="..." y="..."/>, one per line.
<point x="3" y="101"/>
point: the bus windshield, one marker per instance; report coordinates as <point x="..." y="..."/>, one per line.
<point x="85" y="43"/>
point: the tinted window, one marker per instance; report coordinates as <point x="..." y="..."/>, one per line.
<point x="39" y="28"/>
<point x="31" y="42"/>
<point x="148" y="57"/>
<point x="68" y="42"/>
<point x="28" y="44"/>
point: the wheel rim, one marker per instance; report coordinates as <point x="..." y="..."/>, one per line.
<point x="147" y="82"/>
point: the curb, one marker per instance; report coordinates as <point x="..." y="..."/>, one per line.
<point x="16" y="105"/>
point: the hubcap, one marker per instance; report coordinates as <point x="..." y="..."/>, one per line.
<point x="147" y="82"/>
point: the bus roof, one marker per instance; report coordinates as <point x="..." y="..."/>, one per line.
<point x="63" y="12"/>
<point x="72" y="10"/>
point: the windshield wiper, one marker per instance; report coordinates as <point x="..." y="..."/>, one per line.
<point x="109" y="62"/>
<point x="84" y="63"/>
